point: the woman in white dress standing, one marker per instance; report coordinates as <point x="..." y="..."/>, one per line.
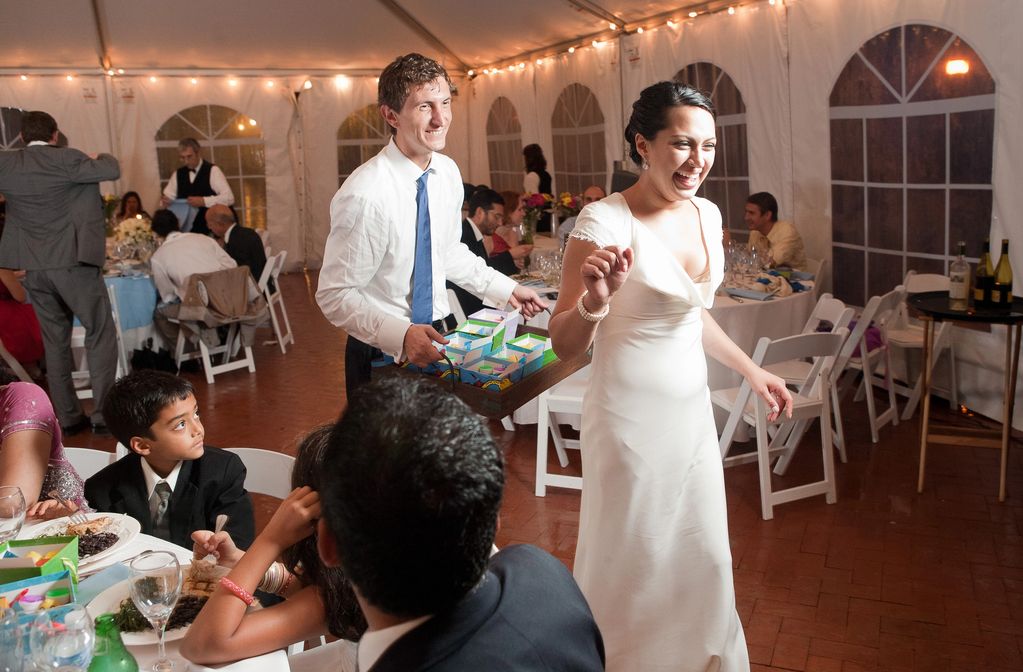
<point x="653" y="558"/>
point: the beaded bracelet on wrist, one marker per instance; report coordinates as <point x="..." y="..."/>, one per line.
<point x="587" y="315"/>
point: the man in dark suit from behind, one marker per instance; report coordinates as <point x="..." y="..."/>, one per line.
<point x="55" y="231"/>
<point x="410" y="494"/>
<point x="243" y="244"/>
<point x="486" y="214"/>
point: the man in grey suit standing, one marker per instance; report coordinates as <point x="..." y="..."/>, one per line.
<point x="55" y="231"/>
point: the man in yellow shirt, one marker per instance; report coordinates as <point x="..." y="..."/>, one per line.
<point x="779" y="241"/>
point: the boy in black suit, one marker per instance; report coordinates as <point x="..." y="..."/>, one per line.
<point x="171" y="482"/>
<point x="410" y="493"/>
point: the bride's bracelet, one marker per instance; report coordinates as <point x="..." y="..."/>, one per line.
<point x="587" y="315"/>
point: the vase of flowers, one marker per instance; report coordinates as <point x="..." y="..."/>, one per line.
<point x="534" y="206"/>
<point x="134" y="237"/>
<point x="568" y="205"/>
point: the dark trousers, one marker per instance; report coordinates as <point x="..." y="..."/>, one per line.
<point x="359" y="357"/>
<point x="58" y="295"/>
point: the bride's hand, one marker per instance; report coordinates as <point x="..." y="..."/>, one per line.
<point x="605" y="271"/>
<point x="772" y="390"/>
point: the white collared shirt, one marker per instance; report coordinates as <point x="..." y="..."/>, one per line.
<point x="152" y="478"/>
<point x="36" y="142"/>
<point x="366" y="280"/>
<point x="475" y="229"/>
<point x="218" y="183"/>
<point x="180" y="256"/>
<point x="375" y="642"/>
<point x="227" y="234"/>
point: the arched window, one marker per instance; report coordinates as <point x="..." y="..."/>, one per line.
<point x="727" y="185"/>
<point x="577" y="125"/>
<point x="10" y="128"/>
<point x="504" y="146"/>
<point x="230" y="140"/>
<point x="360" y="137"/>
<point x="912" y="130"/>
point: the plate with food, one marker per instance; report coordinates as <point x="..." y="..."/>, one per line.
<point x="99" y="536"/>
<point x="200" y="580"/>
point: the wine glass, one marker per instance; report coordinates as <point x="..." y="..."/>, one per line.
<point x="12" y="512"/>
<point x="155" y="584"/>
<point x="62" y="640"/>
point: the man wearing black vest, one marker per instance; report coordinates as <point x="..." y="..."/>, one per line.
<point x="199" y="181"/>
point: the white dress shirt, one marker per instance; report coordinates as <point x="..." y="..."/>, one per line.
<point x="152" y="478"/>
<point x="219" y="184"/>
<point x="365" y="283"/>
<point x="180" y="256"/>
<point x="375" y="642"/>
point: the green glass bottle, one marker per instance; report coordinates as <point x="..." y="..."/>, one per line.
<point x="109" y="654"/>
<point x="1001" y="290"/>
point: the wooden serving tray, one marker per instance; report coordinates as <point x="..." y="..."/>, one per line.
<point x="496" y="405"/>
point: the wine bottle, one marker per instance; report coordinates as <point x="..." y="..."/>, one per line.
<point x="983" y="278"/>
<point x="959" y="281"/>
<point x="110" y="654"/>
<point x="1001" y="289"/>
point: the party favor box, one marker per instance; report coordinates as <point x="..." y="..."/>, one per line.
<point x="536" y="351"/>
<point x="38" y="557"/>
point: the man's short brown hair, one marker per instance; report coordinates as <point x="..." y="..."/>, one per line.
<point x="37" y="126"/>
<point x="404" y="73"/>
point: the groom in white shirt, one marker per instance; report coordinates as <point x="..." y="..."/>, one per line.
<point x="395" y="233"/>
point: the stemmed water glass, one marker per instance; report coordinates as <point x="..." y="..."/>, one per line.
<point x="12" y="512"/>
<point x="155" y="585"/>
<point x="62" y="640"/>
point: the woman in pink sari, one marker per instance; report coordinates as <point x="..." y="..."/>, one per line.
<point x="32" y="452"/>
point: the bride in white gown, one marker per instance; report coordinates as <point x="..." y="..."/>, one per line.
<point x="653" y="558"/>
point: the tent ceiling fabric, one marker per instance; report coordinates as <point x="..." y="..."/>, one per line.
<point x="262" y="35"/>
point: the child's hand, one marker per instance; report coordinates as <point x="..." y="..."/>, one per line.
<point x="295" y="519"/>
<point x="219" y="544"/>
<point x="48" y="509"/>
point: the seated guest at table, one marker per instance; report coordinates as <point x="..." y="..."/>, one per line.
<point x="131" y="206"/>
<point x="19" y="326"/>
<point x="486" y="208"/>
<point x="31" y="451"/>
<point x="319" y="598"/>
<point x="178" y="257"/>
<point x="591" y="194"/>
<point x="411" y="491"/>
<point x="779" y="240"/>
<point x="171" y="482"/>
<point x="242" y="244"/>
<point x="508" y="234"/>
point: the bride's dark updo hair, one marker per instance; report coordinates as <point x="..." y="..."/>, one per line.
<point x="650" y="111"/>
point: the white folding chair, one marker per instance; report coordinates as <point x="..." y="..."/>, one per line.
<point x="908" y="334"/>
<point x="267" y="472"/>
<point x="834" y="312"/>
<point x="811" y="400"/>
<point x="817" y="268"/>
<point x="88" y="461"/>
<point x="879" y="312"/>
<point x="80" y="376"/>
<point x="14" y="364"/>
<point x="272" y="271"/>
<point x="564" y="398"/>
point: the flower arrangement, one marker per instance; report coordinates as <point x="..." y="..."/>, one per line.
<point x="136" y="230"/>
<point x="568" y="205"/>
<point x="534" y="205"/>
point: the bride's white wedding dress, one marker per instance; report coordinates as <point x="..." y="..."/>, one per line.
<point x="653" y="558"/>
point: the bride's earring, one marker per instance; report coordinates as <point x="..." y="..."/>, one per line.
<point x="646" y="166"/>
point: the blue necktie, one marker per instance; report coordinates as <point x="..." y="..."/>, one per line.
<point x="422" y="272"/>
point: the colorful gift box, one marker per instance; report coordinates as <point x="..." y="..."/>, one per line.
<point x="536" y="350"/>
<point x="38" y="557"/>
<point x="37" y="593"/>
<point x="489" y="374"/>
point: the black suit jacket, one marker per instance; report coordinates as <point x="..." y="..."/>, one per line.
<point x="210" y="485"/>
<point x="502" y="263"/>
<point x="246" y="247"/>
<point x="527" y="614"/>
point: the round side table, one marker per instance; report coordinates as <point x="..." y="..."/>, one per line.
<point x="934" y="307"/>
